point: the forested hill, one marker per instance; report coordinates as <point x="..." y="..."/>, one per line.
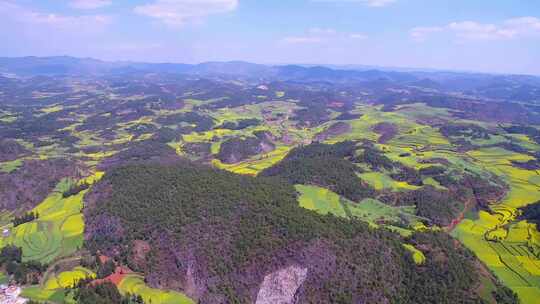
<point x="216" y="235"/>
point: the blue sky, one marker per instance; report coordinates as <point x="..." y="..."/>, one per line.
<point x="474" y="35"/>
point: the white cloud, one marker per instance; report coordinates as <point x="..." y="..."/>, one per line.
<point x="421" y="33"/>
<point x="358" y="36"/>
<point x="321" y="31"/>
<point x="370" y="3"/>
<point x="302" y="39"/>
<point x="89" y="4"/>
<point x="471" y="30"/>
<point x="524" y="25"/>
<point x="51" y="21"/>
<point x="178" y="12"/>
<point x="378" y="3"/>
<point x="478" y="31"/>
<point x="320" y="35"/>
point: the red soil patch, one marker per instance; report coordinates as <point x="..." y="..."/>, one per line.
<point x="104" y="259"/>
<point x="119" y="274"/>
<point x="461" y="216"/>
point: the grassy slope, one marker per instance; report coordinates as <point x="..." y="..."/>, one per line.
<point x="134" y="284"/>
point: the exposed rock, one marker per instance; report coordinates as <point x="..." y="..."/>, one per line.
<point x="281" y="286"/>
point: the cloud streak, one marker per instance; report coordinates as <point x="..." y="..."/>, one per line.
<point x="471" y="30"/>
<point x="370" y="3"/>
<point x="323" y="35"/>
<point x="180" y="12"/>
<point x="89" y="4"/>
<point x="41" y="21"/>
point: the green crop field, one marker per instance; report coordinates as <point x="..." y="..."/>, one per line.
<point x="508" y="248"/>
<point x="10" y="166"/>
<point x="256" y="164"/>
<point x="68" y="279"/>
<point x="321" y="200"/>
<point x="381" y="181"/>
<point x="134" y="285"/>
<point x="57" y="232"/>
<point x="324" y="201"/>
<point x="417" y="255"/>
<point x="37" y="293"/>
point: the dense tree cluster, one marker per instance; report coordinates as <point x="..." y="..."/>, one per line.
<point x="532" y="132"/>
<point x="237" y="149"/>
<point x="235" y="229"/>
<point x="348" y="116"/>
<point x="387" y="131"/>
<point x="10" y="150"/>
<point x="531" y="213"/>
<point x="23" y="272"/>
<point x="145" y="151"/>
<point x="25" y="218"/>
<point x="465" y="130"/>
<point x="312" y="116"/>
<point x="440" y="206"/>
<point x="240" y="124"/>
<point x="533" y="164"/>
<point x="31" y="183"/>
<point x="202" y="122"/>
<point x="323" y="165"/>
<point x="88" y="292"/>
<point x="165" y="135"/>
<point x="333" y="130"/>
<point x="432" y="170"/>
<point x="75" y="189"/>
<point x="198" y="148"/>
<point x="377" y="161"/>
<point x="443" y="255"/>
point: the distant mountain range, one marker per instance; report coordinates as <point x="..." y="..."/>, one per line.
<point x="67" y="65"/>
<point x="494" y="86"/>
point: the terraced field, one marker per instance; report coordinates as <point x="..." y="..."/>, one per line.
<point x="58" y="230"/>
<point x="509" y="248"/>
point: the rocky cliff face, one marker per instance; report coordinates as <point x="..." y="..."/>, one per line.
<point x="280" y="287"/>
